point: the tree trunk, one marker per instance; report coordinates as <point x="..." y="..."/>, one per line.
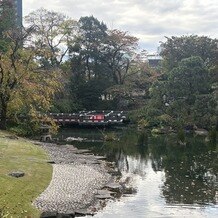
<point x="3" y="114"/>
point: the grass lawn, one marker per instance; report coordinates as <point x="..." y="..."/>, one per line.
<point x="17" y="194"/>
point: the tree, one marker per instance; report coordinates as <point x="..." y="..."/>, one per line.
<point x="105" y="61"/>
<point x="214" y="82"/>
<point x="120" y="54"/>
<point x="185" y="91"/>
<point x="52" y="34"/>
<point x="134" y="90"/>
<point x="184" y="98"/>
<point x="89" y="74"/>
<point x="22" y="88"/>
<point x="10" y="71"/>
<point x="177" y="48"/>
<point x="186" y="85"/>
<point x="86" y="49"/>
<point x="129" y="72"/>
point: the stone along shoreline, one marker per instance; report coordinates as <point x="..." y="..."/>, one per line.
<point x="80" y="182"/>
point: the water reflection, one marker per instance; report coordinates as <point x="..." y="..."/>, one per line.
<point x="190" y="171"/>
<point x="190" y="174"/>
<point x="168" y="175"/>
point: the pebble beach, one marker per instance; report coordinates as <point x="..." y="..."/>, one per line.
<point x="77" y="177"/>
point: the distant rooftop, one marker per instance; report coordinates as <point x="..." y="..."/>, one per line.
<point x="154" y="57"/>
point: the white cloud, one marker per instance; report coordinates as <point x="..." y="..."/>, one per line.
<point x="150" y="20"/>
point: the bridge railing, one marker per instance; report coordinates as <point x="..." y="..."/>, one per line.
<point x="90" y="117"/>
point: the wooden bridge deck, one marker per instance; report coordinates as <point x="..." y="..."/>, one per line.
<point x="92" y="118"/>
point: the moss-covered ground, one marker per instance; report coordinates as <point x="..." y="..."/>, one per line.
<point x="17" y="194"/>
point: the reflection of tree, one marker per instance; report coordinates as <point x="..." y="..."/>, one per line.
<point x="189" y="174"/>
<point x="132" y="147"/>
<point x="122" y="161"/>
<point x="157" y="150"/>
<point x="190" y="171"/>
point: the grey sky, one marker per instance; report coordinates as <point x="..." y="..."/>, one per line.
<point x="149" y="20"/>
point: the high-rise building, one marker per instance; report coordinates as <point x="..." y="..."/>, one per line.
<point x="19" y="11"/>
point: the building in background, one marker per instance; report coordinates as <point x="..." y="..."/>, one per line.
<point x="154" y="60"/>
<point x="19" y="11"/>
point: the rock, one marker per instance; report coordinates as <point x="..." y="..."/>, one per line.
<point x="63" y="215"/>
<point x="71" y="139"/>
<point x="114" y="172"/>
<point x="202" y="132"/>
<point x="113" y="187"/>
<point x="103" y="196"/>
<point x="181" y="143"/>
<point x="17" y="174"/>
<point x="82" y="161"/>
<point x="111" y="164"/>
<point x="83" y="212"/>
<point x="129" y="190"/>
<point x="51" y="162"/>
<point x="81" y="151"/>
<point x="100" y="157"/>
<point x="127" y="180"/>
<point x="48" y="215"/>
<point x="104" y="192"/>
<point x="71" y="213"/>
<point x="93" y="162"/>
<point x="37" y="143"/>
<point x="46" y="138"/>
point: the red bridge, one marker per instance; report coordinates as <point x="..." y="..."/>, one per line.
<point x="92" y="118"/>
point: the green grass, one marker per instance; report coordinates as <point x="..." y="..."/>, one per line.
<point x="17" y="194"/>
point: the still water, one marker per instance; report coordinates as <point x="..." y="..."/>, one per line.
<point x="171" y="180"/>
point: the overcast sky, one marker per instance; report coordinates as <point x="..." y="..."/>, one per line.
<point x="149" y="20"/>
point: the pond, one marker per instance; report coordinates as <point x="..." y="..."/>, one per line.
<point x="172" y="180"/>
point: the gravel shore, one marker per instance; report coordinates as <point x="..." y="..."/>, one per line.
<point x="77" y="177"/>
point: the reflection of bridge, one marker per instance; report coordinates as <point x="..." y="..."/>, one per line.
<point x="90" y="118"/>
